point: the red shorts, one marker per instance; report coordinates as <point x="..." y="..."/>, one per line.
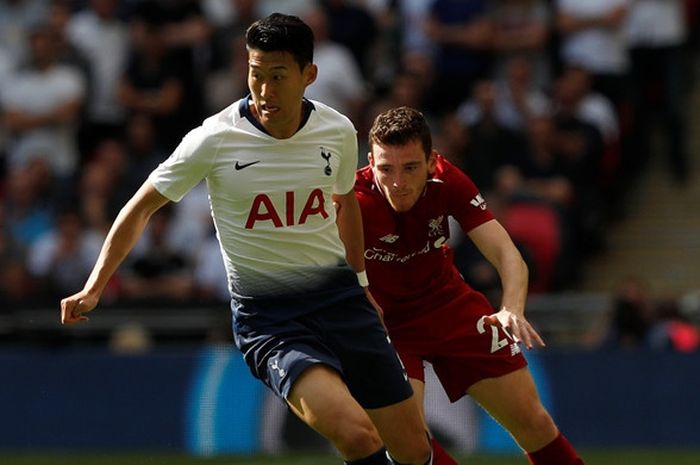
<point x="461" y="349"/>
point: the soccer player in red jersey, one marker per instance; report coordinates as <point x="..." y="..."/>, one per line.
<point x="406" y="194"/>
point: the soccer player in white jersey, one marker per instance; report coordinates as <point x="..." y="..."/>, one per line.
<point x="274" y="164"/>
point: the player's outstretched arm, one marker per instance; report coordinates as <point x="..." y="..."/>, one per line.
<point x="125" y="231"/>
<point x="495" y="244"/>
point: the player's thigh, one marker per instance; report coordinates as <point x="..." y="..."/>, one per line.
<point x="278" y="354"/>
<point x="512" y="399"/>
<point x="322" y="400"/>
<point x="419" y="396"/>
<point x="461" y="349"/>
<point x="371" y="367"/>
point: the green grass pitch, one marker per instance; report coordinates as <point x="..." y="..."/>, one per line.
<point x="593" y="457"/>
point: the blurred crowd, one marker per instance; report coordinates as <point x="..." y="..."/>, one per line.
<point x="549" y="105"/>
<point x="643" y="320"/>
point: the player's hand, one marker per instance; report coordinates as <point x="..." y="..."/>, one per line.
<point x="515" y="325"/>
<point x="74" y="308"/>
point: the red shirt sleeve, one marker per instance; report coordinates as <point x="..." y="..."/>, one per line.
<point x="465" y="202"/>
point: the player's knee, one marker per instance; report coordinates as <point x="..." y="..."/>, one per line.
<point x="355" y="438"/>
<point x="535" y="429"/>
<point x="413" y="452"/>
<point x="540" y="420"/>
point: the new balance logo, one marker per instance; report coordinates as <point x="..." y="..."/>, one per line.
<point x="239" y="166"/>
<point x="478" y="202"/>
<point x="389" y="238"/>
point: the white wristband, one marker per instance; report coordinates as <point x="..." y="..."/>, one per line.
<point x="362" y="279"/>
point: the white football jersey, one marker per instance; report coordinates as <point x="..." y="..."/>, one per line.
<point x="270" y="198"/>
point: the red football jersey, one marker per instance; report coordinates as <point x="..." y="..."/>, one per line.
<point x="416" y="238"/>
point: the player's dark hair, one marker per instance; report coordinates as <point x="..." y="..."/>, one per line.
<point x="399" y="126"/>
<point x="282" y="33"/>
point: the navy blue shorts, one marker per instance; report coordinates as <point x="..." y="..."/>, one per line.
<point x="346" y="335"/>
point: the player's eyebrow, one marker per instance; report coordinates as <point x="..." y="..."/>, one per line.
<point x="272" y="68"/>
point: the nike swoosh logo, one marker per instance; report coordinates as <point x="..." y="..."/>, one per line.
<point x="240" y="166"/>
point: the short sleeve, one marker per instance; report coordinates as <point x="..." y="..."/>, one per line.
<point x="187" y="165"/>
<point x="466" y="203"/>
<point x="348" y="165"/>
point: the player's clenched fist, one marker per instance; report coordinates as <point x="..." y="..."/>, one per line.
<point x="73" y="308"/>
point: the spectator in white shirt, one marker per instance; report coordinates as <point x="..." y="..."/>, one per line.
<point x="339" y="83"/>
<point x="103" y="39"/>
<point x="656" y="34"/>
<point x="41" y="108"/>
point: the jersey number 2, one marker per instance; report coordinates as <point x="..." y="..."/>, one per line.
<point x="496" y="342"/>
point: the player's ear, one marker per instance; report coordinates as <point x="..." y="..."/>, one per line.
<point x="432" y="161"/>
<point x="370" y="159"/>
<point x="310" y="74"/>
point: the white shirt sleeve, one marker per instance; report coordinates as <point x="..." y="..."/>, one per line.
<point x="346" y="176"/>
<point x="187" y="165"/>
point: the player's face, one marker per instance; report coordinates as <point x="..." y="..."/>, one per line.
<point x="401" y="171"/>
<point x="277" y="87"/>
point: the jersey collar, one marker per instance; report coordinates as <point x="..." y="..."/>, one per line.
<point x="244" y="109"/>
